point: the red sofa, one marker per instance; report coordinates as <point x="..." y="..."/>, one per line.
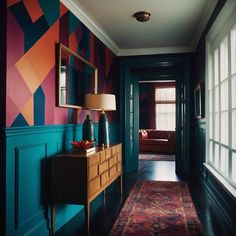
<point x="159" y="141"/>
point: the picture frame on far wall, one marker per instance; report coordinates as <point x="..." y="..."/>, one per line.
<point x="197" y="102"/>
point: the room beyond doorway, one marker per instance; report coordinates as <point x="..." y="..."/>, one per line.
<point x="157" y="120"/>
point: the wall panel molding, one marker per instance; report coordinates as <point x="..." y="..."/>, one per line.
<point x="28" y="151"/>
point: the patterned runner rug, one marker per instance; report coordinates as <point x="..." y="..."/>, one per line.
<point x="156" y="157"/>
<point x="158" y="208"/>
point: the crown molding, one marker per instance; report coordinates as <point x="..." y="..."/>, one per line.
<point x="81" y="14"/>
<point x="203" y="22"/>
<point x="220" y="25"/>
<point x="152" y="51"/>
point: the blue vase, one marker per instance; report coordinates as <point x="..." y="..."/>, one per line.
<point x="103" y="132"/>
<point x="88" y="131"/>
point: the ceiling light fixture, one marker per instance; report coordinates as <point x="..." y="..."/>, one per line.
<point x="142" y="16"/>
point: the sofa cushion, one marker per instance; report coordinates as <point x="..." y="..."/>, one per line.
<point x="157" y="134"/>
<point x="163" y="142"/>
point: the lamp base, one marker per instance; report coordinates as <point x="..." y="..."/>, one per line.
<point x="103" y="131"/>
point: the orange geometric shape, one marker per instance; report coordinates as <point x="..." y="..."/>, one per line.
<point x="12" y="2"/>
<point x="41" y="58"/>
<point x="33" y="9"/>
<point x="63" y="9"/>
<point x="27" y="73"/>
<point x="28" y="111"/>
<point x="73" y="44"/>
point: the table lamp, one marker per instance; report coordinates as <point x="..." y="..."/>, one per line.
<point x="101" y="102"/>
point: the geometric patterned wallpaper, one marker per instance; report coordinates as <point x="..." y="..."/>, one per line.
<point x="34" y="27"/>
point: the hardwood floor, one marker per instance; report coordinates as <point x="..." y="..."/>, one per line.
<point x="104" y="213"/>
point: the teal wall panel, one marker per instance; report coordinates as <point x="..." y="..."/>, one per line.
<point x="28" y="151"/>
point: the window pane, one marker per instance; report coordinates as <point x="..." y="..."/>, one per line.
<point x="224" y="95"/>
<point x="216" y="67"/>
<point x="210" y="151"/>
<point x="216" y="155"/>
<point x="233" y="50"/>
<point x="224" y="59"/>
<point x="233" y="129"/>
<point x="224" y="127"/>
<point x="210" y="68"/>
<point x="216" y="127"/>
<point x="210" y="101"/>
<point x="224" y="159"/>
<point x="234" y="166"/>
<point x="165" y="94"/>
<point x="165" y="116"/>
<point x="217" y="99"/>
<point x="211" y="126"/>
<point x="233" y="91"/>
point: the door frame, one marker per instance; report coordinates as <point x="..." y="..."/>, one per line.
<point x="127" y="64"/>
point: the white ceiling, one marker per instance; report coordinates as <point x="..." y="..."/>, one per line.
<point x="174" y="26"/>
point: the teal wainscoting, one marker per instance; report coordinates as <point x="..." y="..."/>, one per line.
<point x="199" y="151"/>
<point x="28" y="150"/>
<point x="223" y="201"/>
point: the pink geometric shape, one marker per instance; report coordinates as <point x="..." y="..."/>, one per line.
<point x="12" y="112"/>
<point x="17" y="90"/>
<point x="15" y="40"/>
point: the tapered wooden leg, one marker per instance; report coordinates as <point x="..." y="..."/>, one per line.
<point x="52" y="219"/>
<point x="121" y="185"/>
<point x="87" y="214"/>
<point x="104" y="196"/>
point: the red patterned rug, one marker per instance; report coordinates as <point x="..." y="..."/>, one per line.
<point x="158" y="208"/>
<point x="156" y="157"/>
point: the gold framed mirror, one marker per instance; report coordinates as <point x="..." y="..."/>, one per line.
<point x="75" y="78"/>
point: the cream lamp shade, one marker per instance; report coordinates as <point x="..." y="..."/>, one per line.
<point x="102" y="101"/>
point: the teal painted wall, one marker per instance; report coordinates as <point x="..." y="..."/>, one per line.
<point x="25" y="151"/>
<point x="222" y="201"/>
<point x="29" y="150"/>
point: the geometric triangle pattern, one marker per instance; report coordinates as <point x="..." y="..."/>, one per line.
<point x="34" y="27"/>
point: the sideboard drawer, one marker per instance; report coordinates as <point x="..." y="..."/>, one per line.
<point x="93" y="171"/>
<point x="94" y="159"/>
<point x="112" y="161"/>
<point x="113" y="171"/>
<point x="103" y="167"/>
<point x="108" y="153"/>
<point x="94" y="185"/>
<point x="104" y="177"/>
<point x="119" y="166"/>
<point x="102" y="156"/>
<point x="119" y="157"/>
<point x="118" y="148"/>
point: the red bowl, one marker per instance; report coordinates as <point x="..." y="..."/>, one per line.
<point x="83" y="144"/>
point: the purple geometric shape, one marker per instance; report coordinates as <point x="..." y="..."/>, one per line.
<point x="15" y="40"/>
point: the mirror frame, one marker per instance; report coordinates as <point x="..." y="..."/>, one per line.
<point x="61" y="47"/>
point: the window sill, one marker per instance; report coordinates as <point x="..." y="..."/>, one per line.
<point x="221" y="180"/>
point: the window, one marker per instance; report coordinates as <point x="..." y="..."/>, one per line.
<point x="165" y="108"/>
<point x="221" y="101"/>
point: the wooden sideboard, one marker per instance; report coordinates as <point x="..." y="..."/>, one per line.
<point x="79" y="178"/>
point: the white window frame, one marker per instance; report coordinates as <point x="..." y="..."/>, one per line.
<point x="221" y="29"/>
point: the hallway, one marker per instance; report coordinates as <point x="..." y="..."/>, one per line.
<point x="104" y="213"/>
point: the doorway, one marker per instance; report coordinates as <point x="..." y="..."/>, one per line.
<point x="157" y="120"/>
<point x="132" y="71"/>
